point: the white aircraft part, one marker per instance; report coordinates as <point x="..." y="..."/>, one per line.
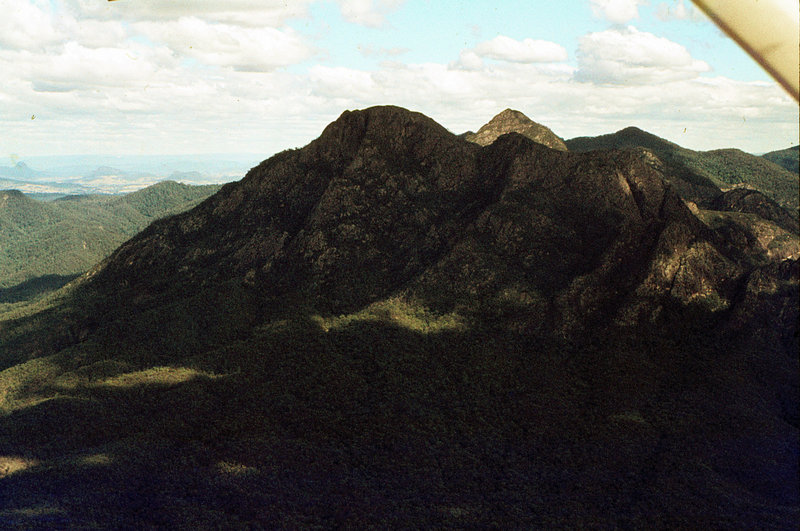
<point x="769" y="30"/>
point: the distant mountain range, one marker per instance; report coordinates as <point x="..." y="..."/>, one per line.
<point x="20" y="171"/>
<point x="45" y="244"/>
<point x="394" y="326"/>
<point x="71" y="175"/>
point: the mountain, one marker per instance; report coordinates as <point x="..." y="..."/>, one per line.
<point x="700" y="176"/>
<point x="396" y="327"/>
<point x="789" y="158"/>
<point x="45" y="187"/>
<point x="117" y="174"/>
<point x="511" y="121"/>
<point x="45" y="244"/>
<point x="20" y="171"/>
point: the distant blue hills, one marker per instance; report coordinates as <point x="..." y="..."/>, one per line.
<point x="113" y="174"/>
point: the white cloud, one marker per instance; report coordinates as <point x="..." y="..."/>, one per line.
<point x="468" y="60"/>
<point x="254" y="13"/>
<point x="370" y="13"/>
<point x="28" y="25"/>
<point x="76" y="67"/>
<point x="166" y="106"/>
<point x="340" y="82"/>
<point x="97" y="84"/>
<point x="616" y="11"/>
<point x="525" y="51"/>
<point x="677" y="10"/>
<point x="96" y="33"/>
<point x="251" y="49"/>
<point x="630" y="56"/>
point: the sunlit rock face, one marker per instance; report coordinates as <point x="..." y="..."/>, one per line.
<point x="511" y="121"/>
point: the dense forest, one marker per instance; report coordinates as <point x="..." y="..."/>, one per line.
<point x="44" y="244"/>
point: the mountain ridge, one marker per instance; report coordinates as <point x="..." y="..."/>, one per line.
<point x="399" y="327"/>
<point x="317" y="227"/>
<point x="789" y="158"/>
<point x="69" y="235"/>
<point x="701" y="176"/>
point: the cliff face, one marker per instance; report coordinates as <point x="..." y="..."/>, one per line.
<point x="386" y="201"/>
<point x="511" y="121"/>
<point x="754" y="202"/>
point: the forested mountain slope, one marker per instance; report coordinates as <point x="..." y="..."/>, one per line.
<point x="395" y="327"/>
<point x="46" y="243"/>
<point x="699" y="176"/>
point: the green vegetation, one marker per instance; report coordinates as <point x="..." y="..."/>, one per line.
<point x="700" y="175"/>
<point x="391" y="415"/>
<point x="732" y="167"/>
<point x="393" y="327"/>
<point x="789" y="158"/>
<point x="45" y="244"/>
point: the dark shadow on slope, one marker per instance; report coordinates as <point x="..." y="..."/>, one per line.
<point x="34" y="288"/>
<point x="369" y="423"/>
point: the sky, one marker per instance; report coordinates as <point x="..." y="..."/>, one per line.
<point x="142" y="77"/>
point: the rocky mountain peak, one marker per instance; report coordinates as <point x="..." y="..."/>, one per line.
<point x="513" y="121"/>
<point x="387" y="200"/>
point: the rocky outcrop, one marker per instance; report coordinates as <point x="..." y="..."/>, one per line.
<point x="387" y="201"/>
<point x="511" y="121"/>
<point x="700" y="176"/>
<point x="754" y="202"/>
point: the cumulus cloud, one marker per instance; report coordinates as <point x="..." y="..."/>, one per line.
<point x="252" y="49"/>
<point x="630" y="56"/>
<point x="711" y="109"/>
<point x="134" y="87"/>
<point x="28" y="25"/>
<point x="254" y="13"/>
<point x="76" y="67"/>
<point x="340" y="82"/>
<point x="468" y="60"/>
<point x="677" y="10"/>
<point x="616" y="11"/>
<point x="505" y="48"/>
<point x="367" y="12"/>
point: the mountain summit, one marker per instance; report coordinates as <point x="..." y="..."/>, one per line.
<point x="395" y="327"/>
<point x="387" y="201"/>
<point x="511" y="121"/>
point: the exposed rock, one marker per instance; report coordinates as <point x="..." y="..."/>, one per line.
<point x="388" y="201"/>
<point x="700" y="176"/>
<point x="758" y="240"/>
<point x="511" y="121"/>
<point x="754" y="202"/>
